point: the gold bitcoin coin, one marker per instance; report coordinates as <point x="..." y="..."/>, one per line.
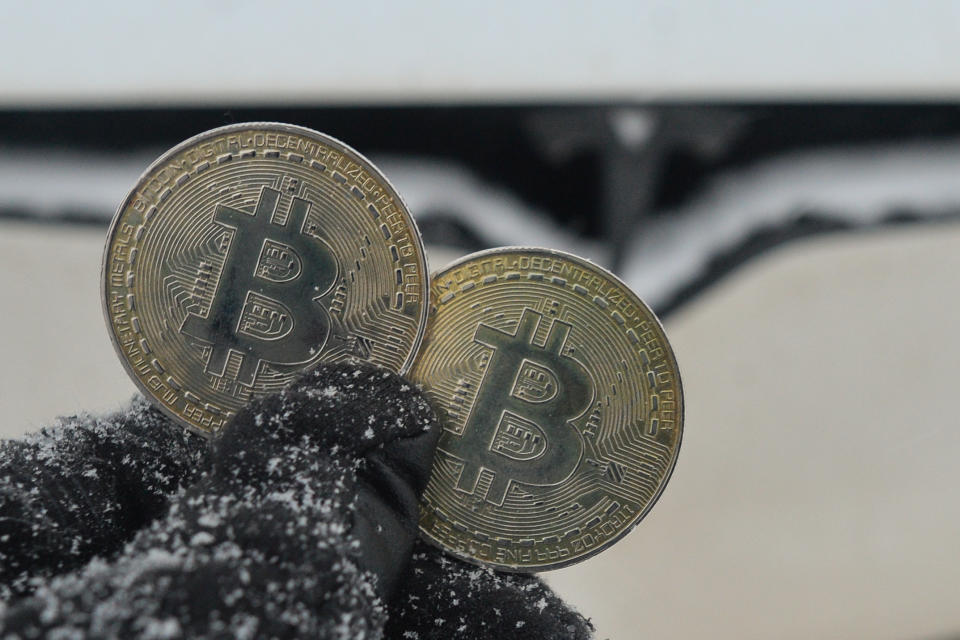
<point x="561" y="404"/>
<point x="250" y="253"/>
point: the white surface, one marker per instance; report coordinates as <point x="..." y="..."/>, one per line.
<point x="815" y="494"/>
<point x="283" y="52"/>
<point x="58" y="358"/>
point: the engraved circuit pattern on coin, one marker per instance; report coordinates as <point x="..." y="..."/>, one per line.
<point x="249" y="254"/>
<point x="561" y="404"/>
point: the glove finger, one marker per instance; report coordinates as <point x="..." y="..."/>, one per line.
<point x="357" y="412"/>
<point x="389" y="486"/>
<point x="84" y="486"/>
<point x="348" y="409"/>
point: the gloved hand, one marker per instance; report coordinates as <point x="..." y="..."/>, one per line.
<point x="299" y="521"/>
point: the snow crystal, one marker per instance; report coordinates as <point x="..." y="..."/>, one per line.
<point x="162" y="629"/>
<point x="245" y="627"/>
<point x="201" y="539"/>
<point x="209" y="520"/>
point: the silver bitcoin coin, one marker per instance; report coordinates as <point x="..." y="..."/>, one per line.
<point x="251" y="253"/>
<point x="561" y="404"/>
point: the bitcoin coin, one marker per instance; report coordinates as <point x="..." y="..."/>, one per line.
<point x="250" y="253"/>
<point x="561" y="404"/>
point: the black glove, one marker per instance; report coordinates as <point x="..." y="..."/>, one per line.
<point x="298" y="522"/>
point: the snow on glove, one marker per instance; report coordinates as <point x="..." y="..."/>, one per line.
<point x="443" y="598"/>
<point x="264" y="545"/>
<point x="84" y="486"/>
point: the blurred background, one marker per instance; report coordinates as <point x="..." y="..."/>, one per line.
<point x="780" y="181"/>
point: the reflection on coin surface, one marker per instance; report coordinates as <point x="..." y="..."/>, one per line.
<point x="561" y="404"/>
<point x="251" y="253"/>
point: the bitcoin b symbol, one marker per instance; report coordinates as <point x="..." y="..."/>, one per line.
<point x="519" y="426"/>
<point x="263" y="307"/>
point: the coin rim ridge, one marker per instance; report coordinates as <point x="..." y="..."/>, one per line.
<point x="276" y="126"/>
<point x="673" y="462"/>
